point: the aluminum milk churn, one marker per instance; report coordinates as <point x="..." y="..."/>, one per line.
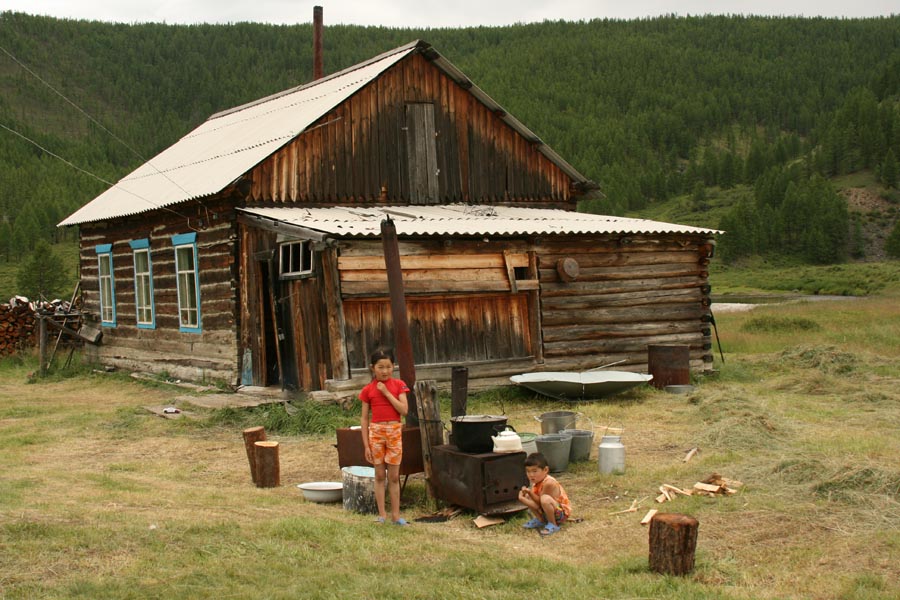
<point x="611" y="454"/>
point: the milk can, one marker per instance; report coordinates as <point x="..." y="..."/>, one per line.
<point x="611" y="452"/>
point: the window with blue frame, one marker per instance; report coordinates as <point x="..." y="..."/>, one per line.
<point x="143" y="284"/>
<point x="107" y="285"/>
<point x="188" y="282"/>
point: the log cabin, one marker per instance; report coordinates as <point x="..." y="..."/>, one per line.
<point x="249" y="251"/>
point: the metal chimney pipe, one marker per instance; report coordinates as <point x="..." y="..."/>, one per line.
<point x="317" y="43"/>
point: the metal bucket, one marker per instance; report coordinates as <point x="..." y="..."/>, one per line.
<point x="582" y="440"/>
<point x="359" y="489"/>
<point x="556" y="448"/>
<point x="528" y="443"/>
<point x="556" y="421"/>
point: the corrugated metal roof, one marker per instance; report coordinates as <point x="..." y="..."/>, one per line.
<point x="461" y="220"/>
<point x="230" y="143"/>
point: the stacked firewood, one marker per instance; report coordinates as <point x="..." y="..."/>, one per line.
<point x="18" y="326"/>
<point x="19" y="322"/>
<point x="714" y="485"/>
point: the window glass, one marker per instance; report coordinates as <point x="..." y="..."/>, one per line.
<point x="106" y="285"/>
<point x="188" y="282"/>
<point x="296" y="258"/>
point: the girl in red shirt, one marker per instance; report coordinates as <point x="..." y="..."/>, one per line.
<point x="383" y="403"/>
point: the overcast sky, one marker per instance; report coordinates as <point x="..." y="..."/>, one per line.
<point x="431" y="13"/>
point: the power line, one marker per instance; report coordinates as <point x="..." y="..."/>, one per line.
<point x="101" y="126"/>
<point x="97" y="177"/>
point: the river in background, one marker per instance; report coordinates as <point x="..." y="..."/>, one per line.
<point x="739" y="303"/>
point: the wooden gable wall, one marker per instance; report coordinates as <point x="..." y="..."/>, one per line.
<point x="361" y="146"/>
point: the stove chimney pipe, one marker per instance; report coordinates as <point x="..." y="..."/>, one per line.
<point x="317" y="43"/>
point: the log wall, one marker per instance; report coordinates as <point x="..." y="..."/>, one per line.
<point x="360" y="147"/>
<point x="630" y="293"/>
<point x="209" y="355"/>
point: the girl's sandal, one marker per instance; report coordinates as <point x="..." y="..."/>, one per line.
<point x="534" y="523"/>
<point x="380" y="520"/>
<point x="401" y="522"/>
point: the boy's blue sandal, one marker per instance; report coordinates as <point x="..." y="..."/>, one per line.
<point x="534" y="523"/>
<point x="379" y="520"/>
<point x="401" y="521"/>
<point x="550" y="529"/>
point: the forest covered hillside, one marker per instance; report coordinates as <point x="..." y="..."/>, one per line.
<point x="742" y="121"/>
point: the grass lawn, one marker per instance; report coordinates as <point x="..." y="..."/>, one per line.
<point x="101" y="499"/>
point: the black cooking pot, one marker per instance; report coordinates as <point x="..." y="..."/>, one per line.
<point x="473" y="433"/>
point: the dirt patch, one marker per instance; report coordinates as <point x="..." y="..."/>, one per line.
<point x="875" y="217"/>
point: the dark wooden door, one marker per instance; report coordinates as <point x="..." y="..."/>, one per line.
<point x="421" y="147"/>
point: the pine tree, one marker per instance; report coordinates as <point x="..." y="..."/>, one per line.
<point x="889" y="170"/>
<point x="43" y="274"/>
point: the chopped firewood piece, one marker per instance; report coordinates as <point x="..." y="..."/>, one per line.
<point x="633" y="508"/>
<point x="665" y="492"/>
<point x="713" y="479"/>
<point x="662" y="498"/>
<point x="708" y="487"/>
<point x="691" y="454"/>
<point x="730" y="483"/>
<point x="672" y="488"/>
<point x="648" y="516"/>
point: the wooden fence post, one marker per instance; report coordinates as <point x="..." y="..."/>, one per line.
<point x="42" y="344"/>
<point x="429" y="427"/>
<point x="251" y="436"/>
<point x="673" y="540"/>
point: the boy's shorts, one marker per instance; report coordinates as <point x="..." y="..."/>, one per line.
<point x="560" y="515"/>
<point x="386" y="443"/>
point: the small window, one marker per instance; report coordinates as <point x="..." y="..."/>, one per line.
<point x="107" y="285"/>
<point x="187" y="278"/>
<point x="296" y="258"/>
<point x="143" y="284"/>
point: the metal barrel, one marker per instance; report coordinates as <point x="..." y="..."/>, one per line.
<point x="669" y="365"/>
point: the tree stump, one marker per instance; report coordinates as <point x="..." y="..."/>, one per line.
<point x="268" y="470"/>
<point x="251" y="436"/>
<point x="673" y="540"/>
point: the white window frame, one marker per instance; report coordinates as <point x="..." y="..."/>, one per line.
<point x="107" y="285"/>
<point x="144" y="303"/>
<point x="295" y="259"/>
<point x="187" y="277"/>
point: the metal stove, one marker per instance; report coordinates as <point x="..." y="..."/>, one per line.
<point x="486" y="483"/>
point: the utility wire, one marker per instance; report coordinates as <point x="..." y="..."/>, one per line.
<point x="101" y="126"/>
<point x="97" y="177"/>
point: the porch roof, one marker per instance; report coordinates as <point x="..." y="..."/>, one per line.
<point x="460" y="220"/>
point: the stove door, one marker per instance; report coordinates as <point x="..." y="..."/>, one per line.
<point x="503" y="477"/>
